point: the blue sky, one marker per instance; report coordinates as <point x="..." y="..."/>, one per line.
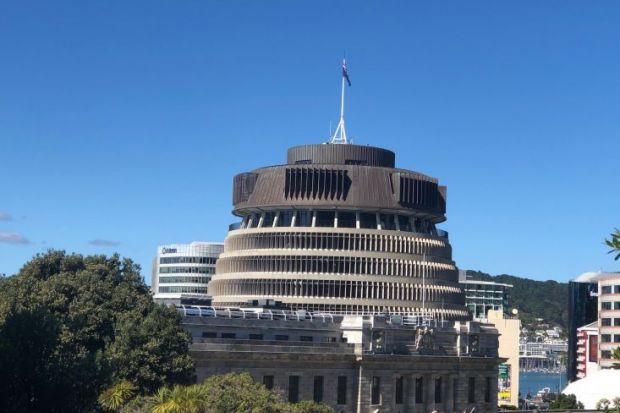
<point x="123" y="123"/>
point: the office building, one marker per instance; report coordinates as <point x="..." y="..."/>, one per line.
<point x="339" y="228"/>
<point x="482" y="296"/>
<point x="582" y="310"/>
<point x="181" y="272"/>
<point x="608" y="319"/>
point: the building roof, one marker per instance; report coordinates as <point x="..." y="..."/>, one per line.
<point x="592" y="326"/>
<point x="602" y="384"/>
<point x="592" y="277"/>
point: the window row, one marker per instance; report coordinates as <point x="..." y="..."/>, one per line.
<point x="176" y="289"/>
<point x="187" y="270"/>
<point x="341" y="219"/>
<point x="276" y="337"/>
<point x="342" y="242"/>
<point x="608" y="305"/>
<point x="337" y="289"/>
<point x="187" y="260"/>
<point x="179" y="280"/>
<point x="607" y="338"/>
<point x="606" y="322"/>
<point x="400" y="390"/>
<point x="608" y="289"/>
<point x="337" y="265"/>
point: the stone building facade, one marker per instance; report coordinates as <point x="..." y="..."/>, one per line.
<point x="355" y="363"/>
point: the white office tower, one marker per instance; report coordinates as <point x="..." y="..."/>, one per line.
<point x="181" y="272"/>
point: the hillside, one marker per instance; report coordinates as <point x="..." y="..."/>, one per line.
<point x="534" y="299"/>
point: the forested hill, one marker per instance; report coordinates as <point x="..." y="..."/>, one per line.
<point x="533" y="299"/>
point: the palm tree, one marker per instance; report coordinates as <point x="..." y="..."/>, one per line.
<point x="615" y="354"/>
<point x="117" y="396"/>
<point x="614" y="243"/>
<point x="179" y="399"/>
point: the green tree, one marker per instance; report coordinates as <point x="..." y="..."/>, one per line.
<point x="84" y="311"/>
<point x="614" y="243"/>
<point x="117" y="396"/>
<point x="565" y="402"/>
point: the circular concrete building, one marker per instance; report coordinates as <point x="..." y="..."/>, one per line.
<point x="339" y="229"/>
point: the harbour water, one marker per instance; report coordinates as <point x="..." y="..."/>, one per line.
<point x="532" y="382"/>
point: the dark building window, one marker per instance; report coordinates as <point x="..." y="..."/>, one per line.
<point x="399" y="390"/>
<point x="268" y="382"/>
<point x="487" y="390"/>
<point x="346" y="220"/>
<point x="419" y="390"/>
<point x="455" y="390"/>
<point x="318" y="389"/>
<point x="342" y="390"/>
<point x="305" y="338"/>
<point x="605" y="354"/>
<point x="617" y="305"/>
<point x="438" y="390"/>
<point x="256" y="336"/>
<point x="606" y="305"/>
<point x="229" y="335"/>
<point x="606" y="289"/>
<point x="209" y="334"/>
<point x="375" y="391"/>
<point x="616" y="289"/>
<point x="285" y="219"/>
<point x="293" y="389"/>
<point x="471" y="390"/>
<point x="325" y="218"/>
<point x="281" y="337"/>
<point x="616" y="338"/>
<point x="606" y="322"/>
<point x="368" y="220"/>
<point x="268" y="219"/>
<point x="616" y="322"/>
<point x="593" y="356"/>
<point x="605" y="338"/>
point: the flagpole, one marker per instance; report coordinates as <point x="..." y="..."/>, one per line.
<point x="340" y="135"/>
<point x="342" y="100"/>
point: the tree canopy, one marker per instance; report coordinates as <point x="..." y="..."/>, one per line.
<point x="72" y="325"/>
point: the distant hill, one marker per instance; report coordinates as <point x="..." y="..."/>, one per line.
<point x="534" y="299"/>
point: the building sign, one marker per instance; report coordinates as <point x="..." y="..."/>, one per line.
<point x="504" y="391"/>
<point x="168" y="250"/>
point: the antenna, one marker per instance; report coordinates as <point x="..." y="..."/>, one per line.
<point x="340" y="136"/>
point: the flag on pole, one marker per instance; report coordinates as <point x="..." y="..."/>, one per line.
<point x="345" y="72"/>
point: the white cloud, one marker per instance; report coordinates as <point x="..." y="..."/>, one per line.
<point x="104" y="243"/>
<point x="5" y="217"/>
<point x="13" y="238"/>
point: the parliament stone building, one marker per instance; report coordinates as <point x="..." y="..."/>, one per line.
<point x="337" y="286"/>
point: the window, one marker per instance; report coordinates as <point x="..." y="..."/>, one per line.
<point x="304" y="219"/>
<point x="285" y="219"/>
<point x="419" y="390"/>
<point x="281" y="337"/>
<point x="256" y="336"/>
<point x="605" y="338"/>
<point x="606" y="289"/>
<point x="471" y="390"/>
<point x="616" y="289"/>
<point x="487" y="390"/>
<point x="616" y="322"/>
<point x="375" y="390"/>
<point x="325" y="219"/>
<point x="593" y="356"/>
<point x="368" y="220"/>
<point x="342" y="390"/>
<point x="616" y="338"/>
<point x="438" y="390"/>
<point x="293" y="389"/>
<point x="606" y="322"/>
<point x="209" y="334"/>
<point x="399" y="390"/>
<point x="229" y="335"/>
<point x="318" y="389"/>
<point x="305" y="338"/>
<point x="606" y="305"/>
<point x="606" y="354"/>
<point x="268" y="382"/>
<point x="346" y="220"/>
<point x="617" y="305"/>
